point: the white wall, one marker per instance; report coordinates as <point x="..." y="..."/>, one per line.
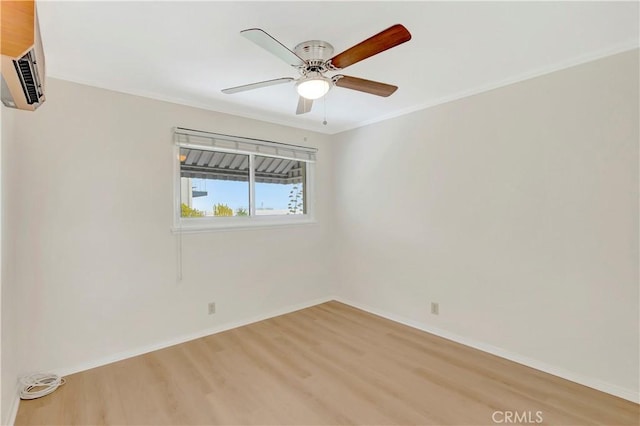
<point x="90" y="263"/>
<point x="4" y="131"/>
<point x="515" y="209"/>
<point x="9" y="312"/>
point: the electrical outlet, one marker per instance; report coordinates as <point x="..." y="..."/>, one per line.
<point x="435" y="308"/>
<point x="212" y="308"/>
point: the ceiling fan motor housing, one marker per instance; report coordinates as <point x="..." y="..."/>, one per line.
<point x="315" y="53"/>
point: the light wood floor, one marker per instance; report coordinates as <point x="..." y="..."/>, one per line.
<point x="330" y="364"/>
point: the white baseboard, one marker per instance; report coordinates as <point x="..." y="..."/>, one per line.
<point x="609" y="388"/>
<point x="13" y="411"/>
<point x="185" y="338"/>
<point x="597" y="384"/>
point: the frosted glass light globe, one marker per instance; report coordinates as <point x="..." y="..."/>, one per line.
<point x="313" y="88"/>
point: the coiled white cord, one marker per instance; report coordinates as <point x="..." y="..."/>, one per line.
<point x="39" y="384"/>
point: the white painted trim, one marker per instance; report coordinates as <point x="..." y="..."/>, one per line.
<point x="65" y="371"/>
<point x="249" y="225"/>
<point x="253" y="221"/>
<point x="234" y="109"/>
<point x="498" y="84"/>
<point x="226" y="108"/>
<point x="591" y="382"/>
<point x="310" y="192"/>
<point x="252" y="186"/>
<point x="13" y="411"/>
<point x="597" y="384"/>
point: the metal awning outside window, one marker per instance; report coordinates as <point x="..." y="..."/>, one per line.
<point x="205" y="164"/>
<point x="207" y="155"/>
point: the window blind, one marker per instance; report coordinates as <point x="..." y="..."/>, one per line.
<point x="197" y="138"/>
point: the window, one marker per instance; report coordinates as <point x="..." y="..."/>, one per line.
<point x="213" y="183"/>
<point x="276" y="195"/>
<point x="229" y="181"/>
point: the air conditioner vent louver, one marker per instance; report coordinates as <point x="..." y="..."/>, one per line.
<point x="25" y="68"/>
<point x="22" y="62"/>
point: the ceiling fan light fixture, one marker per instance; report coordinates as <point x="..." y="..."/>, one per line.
<point x="313" y="58"/>
<point x="313" y="87"/>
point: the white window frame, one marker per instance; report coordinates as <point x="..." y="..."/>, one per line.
<point x="209" y="223"/>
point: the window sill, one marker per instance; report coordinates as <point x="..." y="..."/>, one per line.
<point x="243" y="224"/>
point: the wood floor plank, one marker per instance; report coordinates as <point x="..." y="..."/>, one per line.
<point x="330" y="364"/>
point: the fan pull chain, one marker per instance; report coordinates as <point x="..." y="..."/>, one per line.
<point x="324" y="103"/>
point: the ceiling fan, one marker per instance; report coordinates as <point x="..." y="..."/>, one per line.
<point x="313" y="60"/>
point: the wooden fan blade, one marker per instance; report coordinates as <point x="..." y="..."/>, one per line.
<point x="362" y="85"/>
<point x="270" y="44"/>
<point x="258" y="85"/>
<point x="304" y="105"/>
<point x="391" y="37"/>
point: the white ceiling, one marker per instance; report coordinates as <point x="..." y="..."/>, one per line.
<point x="186" y="52"/>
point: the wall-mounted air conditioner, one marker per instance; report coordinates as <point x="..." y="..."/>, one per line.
<point x="22" y="60"/>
